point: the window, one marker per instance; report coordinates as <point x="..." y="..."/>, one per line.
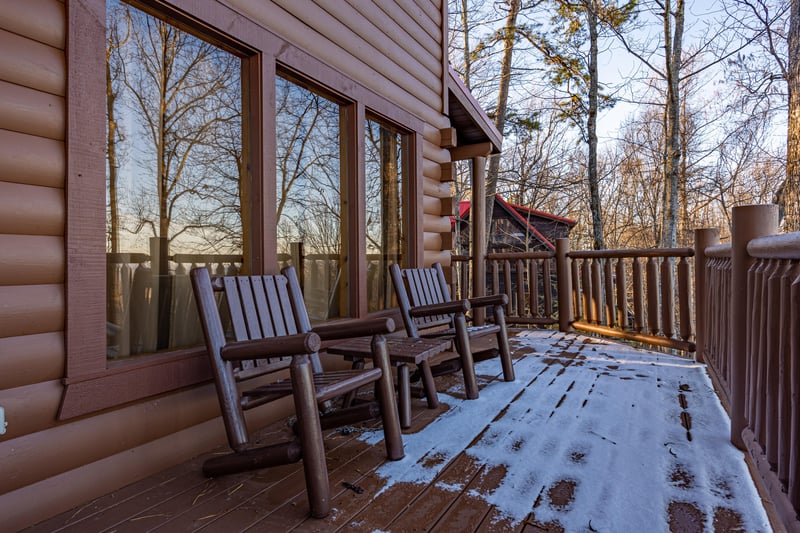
<point x="385" y="151"/>
<point x="312" y="195"/>
<point x="176" y="177"/>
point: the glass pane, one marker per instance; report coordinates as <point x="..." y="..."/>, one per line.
<point x="385" y="223"/>
<point x="311" y="196"/>
<point x="176" y="187"/>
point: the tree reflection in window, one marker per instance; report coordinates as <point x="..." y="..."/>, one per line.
<point x="311" y="195"/>
<point x="176" y="184"/>
<point x="384" y="157"/>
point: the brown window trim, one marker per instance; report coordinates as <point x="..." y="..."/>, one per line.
<point x="91" y="383"/>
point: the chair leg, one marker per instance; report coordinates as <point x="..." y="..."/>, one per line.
<point x="315" y="466"/>
<point x="385" y="388"/>
<point x="502" y="344"/>
<point x="428" y="385"/>
<point x="463" y="349"/>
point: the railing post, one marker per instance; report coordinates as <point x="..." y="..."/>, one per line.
<point x="479" y="238"/>
<point x="563" y="286"/>
<point x="703" y="238"/>
<point x="749" y="222"/>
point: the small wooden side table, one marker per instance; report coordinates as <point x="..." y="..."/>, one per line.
<point x="402" y="351"/>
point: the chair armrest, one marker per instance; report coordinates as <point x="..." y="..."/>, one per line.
<point x="299" y="344"/>
<point x="457" y="306"/>
<point x="492" y="299"/>
<point x="354" y="328"/>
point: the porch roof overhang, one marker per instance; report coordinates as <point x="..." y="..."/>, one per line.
<point x="473" y="126"/>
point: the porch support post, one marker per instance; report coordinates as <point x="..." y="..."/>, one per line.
<point x="563" y="286"/>
<point x="703" y="238"/>
<point x="478" y="216"/>
<point x="749" y="222"/>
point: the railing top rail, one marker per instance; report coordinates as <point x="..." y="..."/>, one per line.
<point x="785" y="246"/>
<point x="719" y="251"/>
<point x="633" y="252"/>
<point x="500" y="256"/>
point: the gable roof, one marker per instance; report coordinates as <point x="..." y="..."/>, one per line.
<point x="521" y="214"/>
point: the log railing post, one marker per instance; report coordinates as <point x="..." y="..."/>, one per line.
<point x="564" y="285"/>
<point x="749" y="222"/>
<point x="703" y="238"/>
<point x="479" y="237"/>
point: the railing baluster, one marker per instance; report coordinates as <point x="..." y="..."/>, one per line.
<point x="684" y="299"/>
<point x="773" y="327"/>
<point x="496" y="282"/>
<point x="577" y="301"/>
<point x="520" y="278"/>
<point x="638" y="296"/>
<point x="586" y="287"/>
<point x="534" y="288"/>
<point x="597" y="292"/>
<point x="794" y="377"/>
<point x="546" y="286"/>
<point x="667" y="298"/>
<point x="622" y="297"/>
<point x="507" y="283"/>
<point x="611" y="309"/>
<point x="754" y="276"/>
<point x="652" y="296"/>
<point x="784" y="368"/>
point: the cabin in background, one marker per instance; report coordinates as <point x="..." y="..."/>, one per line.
<point x="102" y="380"/>
<point x="515" y="228"/>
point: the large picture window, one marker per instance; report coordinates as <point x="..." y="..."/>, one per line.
<point x="176" y="186"/>
<point x="385" y="151"/>
<point x="311" y="192"/>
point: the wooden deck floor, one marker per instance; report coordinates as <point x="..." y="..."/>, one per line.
<point x="581" y="470"/>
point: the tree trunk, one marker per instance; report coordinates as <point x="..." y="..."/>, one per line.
<point x="591" y="129"/>
<point x="509" y="37"/>
<point x="673" y="42"/>
<point x="790" y="191"/>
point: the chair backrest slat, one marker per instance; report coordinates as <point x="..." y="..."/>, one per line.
<point x="281" y="313"/>
<point x="249" y="306"/>
<point x="264" y="315"/>
<point x="419" y="287"/>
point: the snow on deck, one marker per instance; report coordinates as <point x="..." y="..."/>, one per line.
<point x="592" y="436"/>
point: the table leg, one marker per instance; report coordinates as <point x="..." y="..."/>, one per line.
<point x="404" y="395"/>
<point x="428" y="385"/>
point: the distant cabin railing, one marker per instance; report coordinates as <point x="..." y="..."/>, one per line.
<point x="749" y="299"/>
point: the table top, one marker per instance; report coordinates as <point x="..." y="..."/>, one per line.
<point x="401" y="349"/>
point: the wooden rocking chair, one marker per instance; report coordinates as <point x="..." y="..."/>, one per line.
<point x="272" y="332"/>
<point x="428" y="311"/>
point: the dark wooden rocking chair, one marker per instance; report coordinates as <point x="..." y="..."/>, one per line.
<point x="428" y="311"/>
<point x="272" y="332"/>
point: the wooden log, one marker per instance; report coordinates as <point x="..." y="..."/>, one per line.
<point x="432" y="170"/>
<point x="597" y="293"/>
<point x="667" y="298"/>
<point x="33" y="457"/>
<point x="31" y="111"/>
<point x="435" y="223"/>
<point x="31" y="160"/>
<point x="652" y="296"/>
<point x="428" y="20"/>
<point x="432" y="206"/>
<point x="31" y="359"/>
<point x="435" y="152"/>
<point x="31" y="64"/>
<point x="577" y="302"/>
<point x="435" y="188"/>
<point x="586" y="291"/>
<point x="31" y="210"/>
<point x="610" y="307"/>
<point x="430" y="257"/>
<point x="622" y="297"/>
<point x="684" y="299"/>
<point x="638" y="296"/>
<point x="31" y="259"/>
<point x="31" y="408"/>
<point x="533" y="287"/>
<point x="547" y="269"/>
<point x="40" y="20"/>
<point x="355" y="32"/>
<point x="31" y="309"/>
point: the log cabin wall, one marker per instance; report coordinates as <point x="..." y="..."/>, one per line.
<point x="393" y="48"/>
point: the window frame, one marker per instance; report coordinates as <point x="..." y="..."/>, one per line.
<point x="93" y="383"/>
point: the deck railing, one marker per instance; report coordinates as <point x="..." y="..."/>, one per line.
<point x="749" y="296"/>
<point x="628" y="294"/>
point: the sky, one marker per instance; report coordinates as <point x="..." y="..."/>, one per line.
<point x="617" y="410"/>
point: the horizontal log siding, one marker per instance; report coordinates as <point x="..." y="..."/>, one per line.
<point x="46" y="27"/>
<point x="31" y="260"/>
<point x="31" y="64"/>
<point x="30" y="111"/>
<point x="31" y="359"/>
<point x="31" y="160"/>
